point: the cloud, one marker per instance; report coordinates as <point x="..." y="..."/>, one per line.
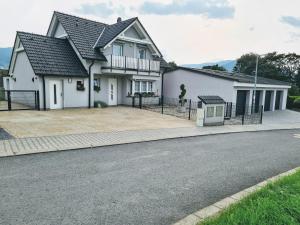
<point x="294" y="37"/>
<point x="219" y="9"/>
<point x="291" y="20"/>
<point x="98" y="9"/>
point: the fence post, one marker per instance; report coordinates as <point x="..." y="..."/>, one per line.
<point x="38" y="100"/>
<point x="133" y="101"/>
<point x="9" y="100"/>
<point x="190" y="107"/>
<point x="261" y="113"/>
<point x="162" y="104"/>
<point x="140" y="100"/>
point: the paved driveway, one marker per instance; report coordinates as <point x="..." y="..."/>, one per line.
<point x="76" y="121"/>
<point x="153" y="183"/>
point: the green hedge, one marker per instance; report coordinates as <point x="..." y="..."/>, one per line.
<point x="293" y="102"/>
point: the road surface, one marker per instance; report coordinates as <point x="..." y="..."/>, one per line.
<point x="153" y="183"/>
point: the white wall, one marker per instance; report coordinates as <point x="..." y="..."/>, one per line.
<point x="72" y="98"/>
<point x="197" y="84"/>
<point x="23" y="73"/>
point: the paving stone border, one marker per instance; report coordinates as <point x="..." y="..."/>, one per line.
<point x="219" y="206"/>
<point x="33" y="145"/>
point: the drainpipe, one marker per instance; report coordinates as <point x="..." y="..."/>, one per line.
<point x="90" y="67"/>
<point x="44" y="93"/>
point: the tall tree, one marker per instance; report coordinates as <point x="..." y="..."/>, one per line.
<point x="272" y="65"/>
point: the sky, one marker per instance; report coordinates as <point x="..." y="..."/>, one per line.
<point x="186" y="31"/>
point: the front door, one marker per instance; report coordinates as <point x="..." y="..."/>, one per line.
<point x="56" y="95"/>
<point x="112" y="91"/>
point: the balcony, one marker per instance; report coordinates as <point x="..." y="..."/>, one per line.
<point x="131" y="64"/>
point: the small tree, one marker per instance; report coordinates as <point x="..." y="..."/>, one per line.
<point x="182" y="100"/>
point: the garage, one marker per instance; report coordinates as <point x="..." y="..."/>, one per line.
<point x="267" y="105"/>
<point x="278" y="98"/>
<point x="241" y="100"/>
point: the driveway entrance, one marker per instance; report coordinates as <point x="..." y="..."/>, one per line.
<point x="75" y="121"/>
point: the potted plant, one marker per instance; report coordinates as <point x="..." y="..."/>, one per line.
<point x="97" y="88"/>
<point x="182" y="99"/>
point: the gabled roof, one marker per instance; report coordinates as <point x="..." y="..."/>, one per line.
<point x="83" y="33"/>
<point x="211" y="99"/>
<point x="51" y="56"/>
<point x="238" y="77"/>
<point x="112" y="31"/>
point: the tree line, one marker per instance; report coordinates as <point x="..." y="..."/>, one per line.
<point x="284" y="67"/>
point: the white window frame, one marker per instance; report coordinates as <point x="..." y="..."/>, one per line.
<point x="140" y="83"/>
<point x="121" y="49"/>
<point x="207" y="111"/>
<point x="139" y="55"/>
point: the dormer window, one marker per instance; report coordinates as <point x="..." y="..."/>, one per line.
<point x="118" y="49"/>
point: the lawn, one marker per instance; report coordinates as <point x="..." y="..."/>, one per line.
<point x="275" y="204"/>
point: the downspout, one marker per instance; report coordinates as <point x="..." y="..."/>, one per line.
<point x="44" y="92"/>
<point x="90" y="94"/>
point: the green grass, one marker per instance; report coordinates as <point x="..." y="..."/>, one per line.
<point x="275" y="204"/>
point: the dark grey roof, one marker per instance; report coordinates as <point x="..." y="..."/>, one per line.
<point x="83" y="33"/>
<point x="51" y="56"/>
<point x="211" y="99"/>
<point x="112" y="31"/>
<point x="238" y="77"/>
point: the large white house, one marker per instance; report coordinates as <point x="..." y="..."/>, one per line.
<point x="235" y="88"/>
<point x="80" y="61"/>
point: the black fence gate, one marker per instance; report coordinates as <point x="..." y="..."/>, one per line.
<point x="234" y="114"/>
<point x="168" y="106"/>
<point x="19" y="100"/>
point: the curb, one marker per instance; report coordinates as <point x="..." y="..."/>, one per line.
<point x="218" y="207"/>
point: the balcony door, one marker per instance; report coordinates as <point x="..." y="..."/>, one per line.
<point x="112" y="91"/>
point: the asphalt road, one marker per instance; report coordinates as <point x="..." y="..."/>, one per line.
<point x="153" y="183"/>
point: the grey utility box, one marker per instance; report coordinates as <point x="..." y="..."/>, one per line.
<point x="213" y="108"/>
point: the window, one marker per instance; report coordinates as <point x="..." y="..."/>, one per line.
<point x="210" y="111"/>
<point x="97" y="83"/>
<point x="118" y="49"/>
<point x="219" y="111"/>
<point x="142" y="53"/>
<point x="80" y="85"/>
<point x="150" y="86"/>
<point x="137" y="87"/>
<point x="144" y="86"/>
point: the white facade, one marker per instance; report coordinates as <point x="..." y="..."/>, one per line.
<point x="198" y="84"/>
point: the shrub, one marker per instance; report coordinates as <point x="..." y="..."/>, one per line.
<point x="182" y="100"/>
<point x="102" y="104"/>
<point x="296" y="103"/>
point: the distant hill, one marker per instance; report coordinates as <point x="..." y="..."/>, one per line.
<point x="5" y="54"/>
<point x="227" y="64"/>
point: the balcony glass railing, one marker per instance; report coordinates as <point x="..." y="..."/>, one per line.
<point x="124" y="62"/>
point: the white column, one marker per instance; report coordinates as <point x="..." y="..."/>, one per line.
<point x="132" y="87"/>
<point x="283" y="99"/>
<point x="273" y="100"/>
<point x="249" y="101"/>
<point x="263" y="98"/>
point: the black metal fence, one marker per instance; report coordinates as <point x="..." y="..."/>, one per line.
<point x="19" y="100"/>
<point x="168" y="106"/>
<point x="236" y="114"/>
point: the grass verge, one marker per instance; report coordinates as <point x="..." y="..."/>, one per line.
<point x="276" y="204"/>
